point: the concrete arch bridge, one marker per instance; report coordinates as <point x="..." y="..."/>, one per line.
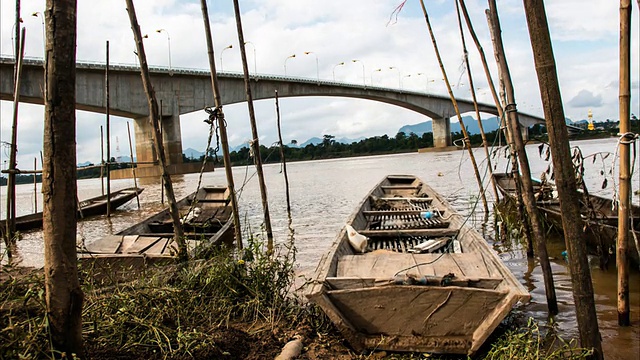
<point x="182" y="91"/>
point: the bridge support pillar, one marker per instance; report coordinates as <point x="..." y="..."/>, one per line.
<point x="524" y="130"/>
<point x="441" y="132"/>
<point x="171" y="138"/>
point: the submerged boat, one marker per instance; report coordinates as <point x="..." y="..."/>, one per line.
<point x="407" y="273"/>
<point x="205" y="216"/>
<point x="599" y="215"/>
<point x="89" y="207"/>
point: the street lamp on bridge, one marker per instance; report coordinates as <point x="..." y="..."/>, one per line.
<point x="317" y="66"/>
<point x="44" y="41"/>
<point x="364" y="80"/>
<point x="255" y="59"/>
<point x="376" y="70"/>
<point x="285" y="63"/>
<point x="399" y="75"/>
<point x="222" y="52"/>
<point x="334" y="69"/>
<point x="169" y="46"/>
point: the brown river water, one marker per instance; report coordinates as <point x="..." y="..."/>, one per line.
<point x="324" y="193"/>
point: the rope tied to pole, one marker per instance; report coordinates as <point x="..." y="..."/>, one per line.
<point x="511" y="107"/>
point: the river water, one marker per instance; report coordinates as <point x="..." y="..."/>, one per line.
<point x="324" y="193"/>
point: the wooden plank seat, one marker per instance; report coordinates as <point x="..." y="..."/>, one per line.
<point x="383" y="264"/>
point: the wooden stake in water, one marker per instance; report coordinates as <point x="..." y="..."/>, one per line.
<point x="133" y="167"/>
<point x="284" y="160"/>
<point x="102" y="160"/>
<point x="527" y="184"/>
<point x="157" y="137"/>
<point x="475" y="105"/>
<point x="222" y="125"/>
<point x="10" y="240"/>
<point x="564" y="174"/>
<point x="255" y="142"/>
<point x="35" y="186"/>
<point x="622" y="262"/>
<point x="455" y="106"/>
<point x="106" y="92"/>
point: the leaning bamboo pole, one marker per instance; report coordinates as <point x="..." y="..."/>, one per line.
<point x="222" y="124"/>
<point x="527" y="184"/>
<point x="10" y="239"/>
<point x="565" y="175"/>
<point x="157" y="137"/>
<point x="622" y="262"/>
<point x="475" y="104"/>
<point x="255" y="142"/>
<point x="505" y="129"/>
<point x="284" y="160"/>
<point x="455" y="106"/>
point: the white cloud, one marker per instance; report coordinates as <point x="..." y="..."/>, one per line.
<point x="584" y="35"/>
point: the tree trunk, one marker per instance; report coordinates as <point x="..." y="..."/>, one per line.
<point x="157" y="135"/>
<point x="63" y="294"/>
<point x="564" y="174"/>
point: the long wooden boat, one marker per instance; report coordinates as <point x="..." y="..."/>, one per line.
<point x="205" y="216"/>
<point x="86" y="208"/>
<point x="599" y="215"/>
<point x="426" y="282"/>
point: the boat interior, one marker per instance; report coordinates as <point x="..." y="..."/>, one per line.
<point x="408" y="230"/>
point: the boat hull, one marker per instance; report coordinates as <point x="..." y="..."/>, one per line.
<point x="89" y="207"/>
<point x="409" y="292"/>
<point x="600" y="232"/>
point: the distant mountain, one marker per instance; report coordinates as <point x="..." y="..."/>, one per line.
<point x="86" y="163"/>
<point x="192" y="153"/>
<point x="490" y="124"/>
<point x="316" y="140"/>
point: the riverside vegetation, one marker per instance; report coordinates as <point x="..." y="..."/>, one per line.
<point x="329" y="148"/>
<point x="221" y="304"/>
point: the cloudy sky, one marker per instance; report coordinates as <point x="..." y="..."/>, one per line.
<point x="584" y="33"/>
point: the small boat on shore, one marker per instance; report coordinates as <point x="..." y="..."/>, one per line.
<point x="407" y="273"/>
<point x="205" y="216"/>
<point x="86" y="208"/>
<point x="599" y="216"/>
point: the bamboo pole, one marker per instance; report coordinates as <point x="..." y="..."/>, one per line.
<point x="107" y="99"/>
<point x="475" y="104"/>
<point x="255" y="142"/>
<point x="133" y="168"/>
<point x="35" y="186"/>
<point x="564" y="174"/>
<point x="284" y="160"/>
<point x="159" y="146"/>
<point x="102" y="160"/>
<point x="505" y="129"/>
<point x="10" y="240"/>
<point x="622" y="261"/>
<point x="222" y="124"/>
<point x="527" y="184"/>
<point x="455" y="106"/>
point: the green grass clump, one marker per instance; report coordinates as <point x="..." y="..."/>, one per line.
<point x="528" y="342"/>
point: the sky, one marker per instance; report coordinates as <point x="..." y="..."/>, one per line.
<point x="584" y="33"/>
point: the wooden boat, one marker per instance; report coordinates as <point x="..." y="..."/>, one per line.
<point x="599" y="215"/>
<point x="427" y="282"/>
<point x="86" y="208"/>
<point x="205" y="215"/>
